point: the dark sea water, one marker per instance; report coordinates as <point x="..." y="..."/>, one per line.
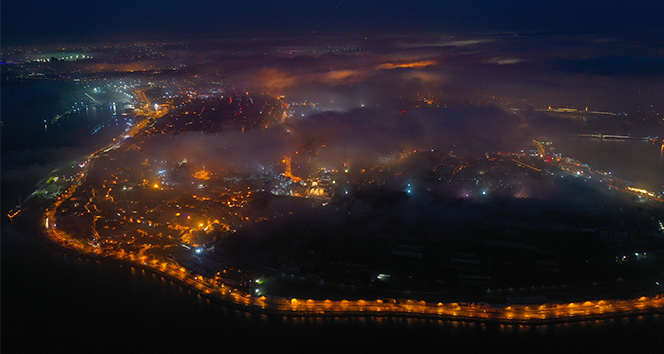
<point x="52" y="302"/>
<point x="640" y="162"/>
<point x="32" y="148"/>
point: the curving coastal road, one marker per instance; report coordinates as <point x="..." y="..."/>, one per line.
<point x="523" y="314"/>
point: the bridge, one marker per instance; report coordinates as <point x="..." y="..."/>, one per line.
<point x="613" y="137"/>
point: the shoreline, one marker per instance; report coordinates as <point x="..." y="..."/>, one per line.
<point x="533" y="314"/>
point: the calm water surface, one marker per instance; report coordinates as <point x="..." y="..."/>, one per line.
<point x="49" y="298"/>
<point x="640" y="162"/>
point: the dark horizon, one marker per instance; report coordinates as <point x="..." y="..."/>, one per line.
<point x="43" y="22"/>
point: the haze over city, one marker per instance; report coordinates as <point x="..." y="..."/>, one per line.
<point x="257" y="163"/>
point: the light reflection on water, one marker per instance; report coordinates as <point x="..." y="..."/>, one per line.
<point x="127" y="292"/>
<point x="641" y="162"/>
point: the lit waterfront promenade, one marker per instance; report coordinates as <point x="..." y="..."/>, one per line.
<point x="481" y="312"/>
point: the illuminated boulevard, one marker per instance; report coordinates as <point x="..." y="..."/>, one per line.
<point x="523" y="314"/>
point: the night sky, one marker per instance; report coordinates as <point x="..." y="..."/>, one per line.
<point x="44" y="21"/>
